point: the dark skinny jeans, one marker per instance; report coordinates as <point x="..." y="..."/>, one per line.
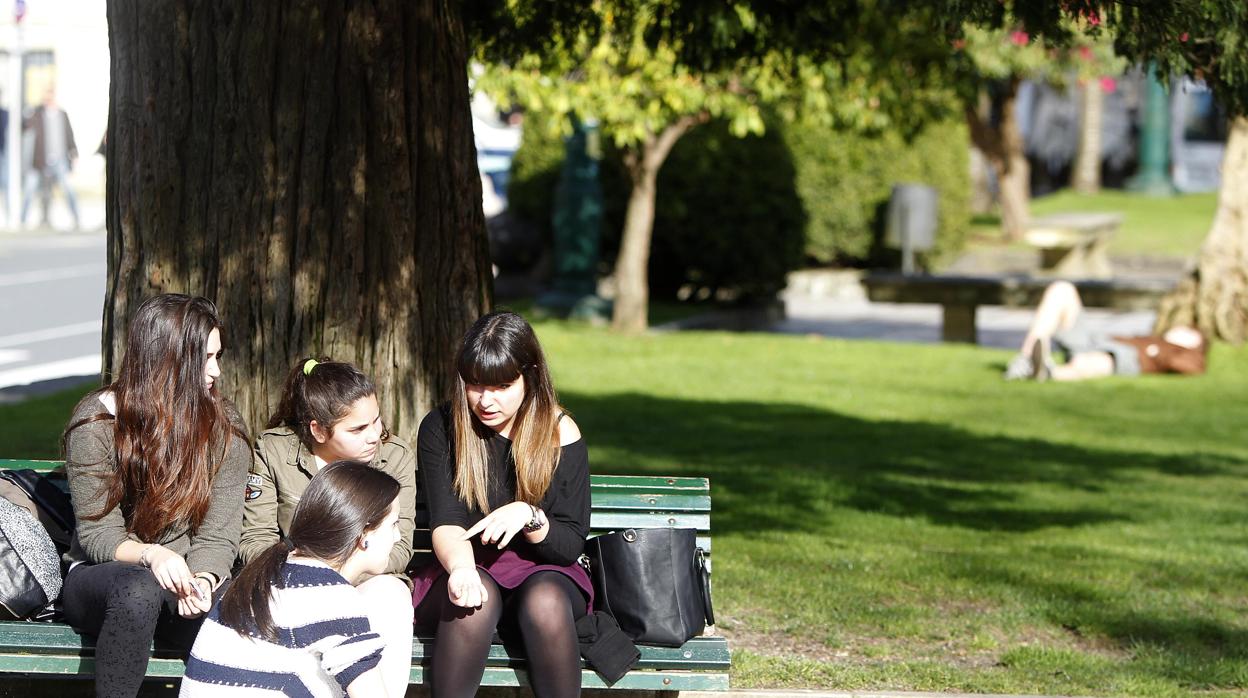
<point x="123" y="606"/>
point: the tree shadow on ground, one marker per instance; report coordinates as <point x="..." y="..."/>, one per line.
<point x="790" y="467"/>
<point x="782" y="466"/>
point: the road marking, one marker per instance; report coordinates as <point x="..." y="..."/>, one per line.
<point x="44" y="335"/>
<point x="88" y="365"/>
<point x="12" y="356"/>
<point x="39" y="276"/>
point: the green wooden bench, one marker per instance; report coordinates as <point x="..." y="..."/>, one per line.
<point x="618" y="502"/>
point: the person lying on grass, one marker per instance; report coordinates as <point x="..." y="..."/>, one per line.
<point x="1059" y="324"/>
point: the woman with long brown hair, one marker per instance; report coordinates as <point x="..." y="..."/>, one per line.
<point x="506" y="476"/>
<point x="157" y="461"/>
<point x="306" y="586"/>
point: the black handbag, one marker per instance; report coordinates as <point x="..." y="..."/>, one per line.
<point x="30" y="568"/>
<point x="654" y="582"/>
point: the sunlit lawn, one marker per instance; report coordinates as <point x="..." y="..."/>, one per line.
<point x="896" y="516"/>
<point x="1167" y="226"/>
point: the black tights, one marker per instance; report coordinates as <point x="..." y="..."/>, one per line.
<point x="125" y="608"/>
<point x="545" y="608"/>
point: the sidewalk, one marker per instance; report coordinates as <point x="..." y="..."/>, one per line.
<point x="815" y="693"/>
<point x="858" y="318"/>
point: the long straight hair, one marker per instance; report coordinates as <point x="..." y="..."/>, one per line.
<point x="322" y="390"/>
<point x="343" y="501"/>
<point x="498" y="348"/>
<point x="170" y="431"/>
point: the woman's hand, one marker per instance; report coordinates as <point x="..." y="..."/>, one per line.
<point x="502" y="524"/>
<point x="170" y="570"/>
<point x="465" y="589"/>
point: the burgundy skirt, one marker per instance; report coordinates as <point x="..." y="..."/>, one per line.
<point x="506" y="568"/>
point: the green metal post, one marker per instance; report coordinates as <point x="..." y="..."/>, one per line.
<point x="577" y="224"/>
<point x="1153" y="179"/>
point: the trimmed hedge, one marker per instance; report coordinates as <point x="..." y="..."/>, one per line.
<point x="737" y="214"/>
<point x="845" y="180"/>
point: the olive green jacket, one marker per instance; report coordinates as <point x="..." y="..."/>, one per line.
<point x="280" y="472"/>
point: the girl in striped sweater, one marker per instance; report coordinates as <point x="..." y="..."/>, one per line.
<point x="293" y="623"/>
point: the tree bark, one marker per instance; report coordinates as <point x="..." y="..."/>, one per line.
<point x="310" y="167"/>
<point x="632" y="296"/>
<point x="1086" y="178"/>
<point x="1214" y="296"/>
<point x="1002" y="144"/>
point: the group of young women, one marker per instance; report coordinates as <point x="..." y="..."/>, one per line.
<point x="169" y="492"/>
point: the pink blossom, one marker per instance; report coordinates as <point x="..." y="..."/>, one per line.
<point x="1183" y="37"/>
<point x="1019" y="38"/>
<point x="1108" y="85"/>
<point x="1085" y="53"/>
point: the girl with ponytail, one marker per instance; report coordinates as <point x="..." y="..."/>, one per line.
<point x="329" y="412"/>
<point x="293" y="622"/>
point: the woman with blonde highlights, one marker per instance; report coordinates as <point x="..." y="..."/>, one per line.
<point x="506" y="476"/>
<point x="156" y="463"/>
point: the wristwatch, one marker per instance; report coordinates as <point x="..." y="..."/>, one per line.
<point x="535" y="522"/>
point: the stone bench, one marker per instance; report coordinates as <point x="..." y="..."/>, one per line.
<point x="1074" y="244"/>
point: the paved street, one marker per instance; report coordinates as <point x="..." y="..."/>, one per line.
<point x="51" y="303"/>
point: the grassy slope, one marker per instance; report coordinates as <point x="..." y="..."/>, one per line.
<point x="895" y="516"/>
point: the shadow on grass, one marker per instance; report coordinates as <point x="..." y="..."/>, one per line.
<point x="788" y="467"/>
<point x="783" y="466"/>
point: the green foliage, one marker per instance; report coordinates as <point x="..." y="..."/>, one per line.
<point x="534" y="176"/>
<point x="740" y="214"/>
<point x="845" y="179"/>
<point x="1004" y="53"/>
<point x="727" y="215"/>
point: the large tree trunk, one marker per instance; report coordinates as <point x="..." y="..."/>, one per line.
<point x="1002" y="144"/>
<point x="1214" y="297"/>
<point x="632" y="295"/>
<point x="310" y="167"/>
<point x="1086" y="178"/>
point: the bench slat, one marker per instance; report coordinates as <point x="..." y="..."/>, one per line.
<point x="649" y="482"/>
<point x="649" y="501"/>
<point x="494" y="676"/>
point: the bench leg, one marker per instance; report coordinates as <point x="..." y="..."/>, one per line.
<point x="959" y="324"/>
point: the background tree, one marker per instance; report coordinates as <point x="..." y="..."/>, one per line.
<point x="309" y="166"/>
<point x="1204" y="40"/>
<point x="993" y="63"/>
<point x="646" y="88"/>
<point x="1096" y="68"/>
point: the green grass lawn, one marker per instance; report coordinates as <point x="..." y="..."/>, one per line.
<point x="1163" y="227"/>
<point x="892" y="516"/>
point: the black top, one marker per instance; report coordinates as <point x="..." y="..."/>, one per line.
<point x="566" y="502"/>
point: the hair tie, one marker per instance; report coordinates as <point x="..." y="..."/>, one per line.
<point x="290" y="544"/>
<point x="308" y="366"/>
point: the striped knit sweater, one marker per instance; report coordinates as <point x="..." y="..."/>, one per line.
<point x="326" y="642"/>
